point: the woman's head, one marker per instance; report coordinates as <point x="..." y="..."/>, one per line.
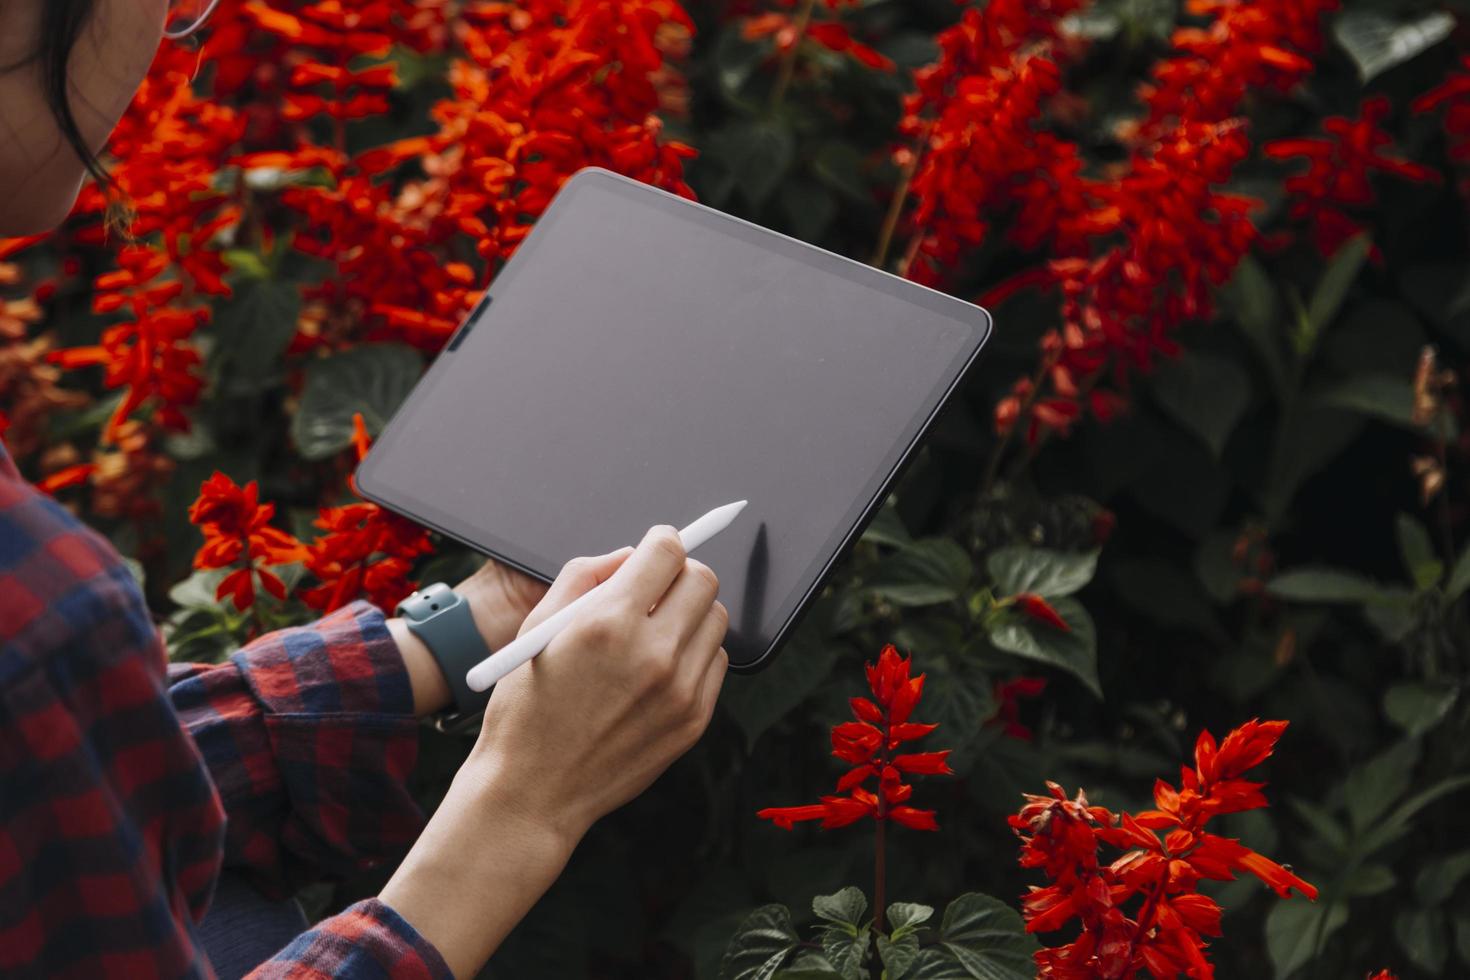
<point x="68" y="69"/>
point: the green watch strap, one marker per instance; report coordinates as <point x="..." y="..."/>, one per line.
<point x="441" y="618"/>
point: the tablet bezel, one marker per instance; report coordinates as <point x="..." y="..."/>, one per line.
<point x="864" y="506"/>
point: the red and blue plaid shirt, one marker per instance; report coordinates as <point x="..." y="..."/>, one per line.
<point x="126" y="784"/>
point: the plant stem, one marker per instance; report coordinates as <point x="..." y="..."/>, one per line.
<point x="1145" y="923"/>
<point x="880" y="868"/>
<point x="788" y="60"/>
<point x="992" y="468"/>
<point x="900" y="197"/>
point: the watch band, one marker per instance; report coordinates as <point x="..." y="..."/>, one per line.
<point x="441" y="618"/>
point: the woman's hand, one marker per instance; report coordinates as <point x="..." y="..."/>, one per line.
<point x="624" y="690"/>
<point x="619" y="694"/>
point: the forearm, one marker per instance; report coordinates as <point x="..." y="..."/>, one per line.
<point x="485" y="858"/>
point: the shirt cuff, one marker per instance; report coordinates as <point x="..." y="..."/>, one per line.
<point x="368" y="939"/>
<point x="346" y="662"/>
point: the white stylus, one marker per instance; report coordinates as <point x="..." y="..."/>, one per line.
<point x="536" y="639"/>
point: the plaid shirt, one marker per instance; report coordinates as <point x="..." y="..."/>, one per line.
<point x="127" y="784"/>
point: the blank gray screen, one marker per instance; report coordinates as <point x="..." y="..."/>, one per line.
<point x="642" y="360"/>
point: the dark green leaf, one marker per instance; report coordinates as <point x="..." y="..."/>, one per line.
<point x="1205" y="393"/>
<point x="1074" y="651"/>
<point x="764" y="941"/>
<point x="937" y="963"/>
<point x="1394" y="824"/>
<point x="1252" y="298"/>
<point x="1369" y="879"/>
<point x="1438" y="879"/>
<point x="928" y="571"/>
<point x="807" y="973"/>
<point x="1462" y="936"/>
<point x="757" y="702"/>
<point x="988" y="939"/>
<point x="1424" y="935"/>
<point x="887" y="529"/>
<point x="252" y="330"/>
<point x="1332" y="289"/>
<point x="1376" y="42"/>
<point x="1293" y="929"/>
<point x="757" y="153"/>
<point x="846" y="949"/>
<point x="1417" y="707"/>
<point x="1332" y="833"/>
<point x="908" y="915"/>
<point x="1311" y="436"/>
<point x="898" y="953"/>
<point x="840" y="166"/>
<point x="1050" y="574"/>
<point x="846" y="907"/>
<point x="1384" y="396"/>
<point x="1314" y="584"/>
<point x="1417" y="552"/>
<point x="372" y="379"/>
<point x="1459" y="576"/>
<point x="1369" y="790"/>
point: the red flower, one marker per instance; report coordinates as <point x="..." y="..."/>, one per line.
<point x="1166" y="934"/>
<point x="237" y="531"/>
<point x="364" y="550"/>
<point x="1339" y="170"/>
<point x="1040" y="610"/>
<point x="868" y="745"/>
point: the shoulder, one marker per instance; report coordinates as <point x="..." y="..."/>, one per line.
<point x="63" y="588"/>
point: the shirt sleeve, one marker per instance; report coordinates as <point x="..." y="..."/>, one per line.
<point x="309" y="736"/>
<point x="368" y="939"/>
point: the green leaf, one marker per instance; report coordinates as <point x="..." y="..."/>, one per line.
<point x="1376" y="42"/>
<point x="1423" y="934"/>
<point x="1462" y="936"/>
<point x="807" y="973"/>
<point x="758" y="702"/>
<point x="1459" y="576"/>
<point x="1382" y="396"/>
<point x="959" y="698"/>
<point x="1317" y="584"/>
<point x="987" y="938"/>
<point x="908" y="916"/>
<point x="253" y="330"/>
<point x="763" y="942"/>
<point x="1252" y="298"/>
<point x="898" y="953"/>
<point x="928" y="571"/>
<point x="1417" y="707"/>
<point x="1293" y="928"/>
<point x="1311" y="435"/>
<point x="1393" y="825"/>
<point x="845" y="907"/>
<point x="1206" y="394"/>
<point x="1331" y="833"/>
<point x="887" y="529"/>
<point x="846" y="949"/>
<point x="1050" y="574"/>
<point x="1332" y="289"/>
<point x="1438" y="880"/>
<point x="1074" y="651"/>
<point x="1417" y="552"/>
<point x="197" y="591"/>
<point x="757" y="153"/>
<point x="1370" y="789"/>
<point x="372" y="379"/>
<point x="937" y="963"/>
<point x="1369" y="879"/>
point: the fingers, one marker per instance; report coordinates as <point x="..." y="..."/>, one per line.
<point x="709" y="686"/>
<point x="702" y="650"/>
<point x="651" y="569"/>
<point x="578" y="576"/>
<point x="687" y="602"/>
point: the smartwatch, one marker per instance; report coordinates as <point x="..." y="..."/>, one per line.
<point x="441" y="618"/>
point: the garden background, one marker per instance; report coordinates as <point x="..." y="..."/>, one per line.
<point x="1210" y="468"/>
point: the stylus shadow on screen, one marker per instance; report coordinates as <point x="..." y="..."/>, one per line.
<point x="753" y="598"/>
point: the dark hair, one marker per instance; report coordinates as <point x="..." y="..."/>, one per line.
<point x="61" y="25"/>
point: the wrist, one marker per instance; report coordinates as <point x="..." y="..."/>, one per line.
<point x="430" y="690"/>
<point x="493" y="776"/>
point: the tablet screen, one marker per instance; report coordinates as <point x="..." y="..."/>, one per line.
<point x="643" y="360"/>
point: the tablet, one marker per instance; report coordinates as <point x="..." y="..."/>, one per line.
<point x="643" y="359"/>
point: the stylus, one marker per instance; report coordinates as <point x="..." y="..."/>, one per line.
<point x="536" y="639"/>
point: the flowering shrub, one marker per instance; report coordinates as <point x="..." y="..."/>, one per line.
<point x="1212" y="467"/>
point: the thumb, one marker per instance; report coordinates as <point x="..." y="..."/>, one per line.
<point x="579" y="576"/>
